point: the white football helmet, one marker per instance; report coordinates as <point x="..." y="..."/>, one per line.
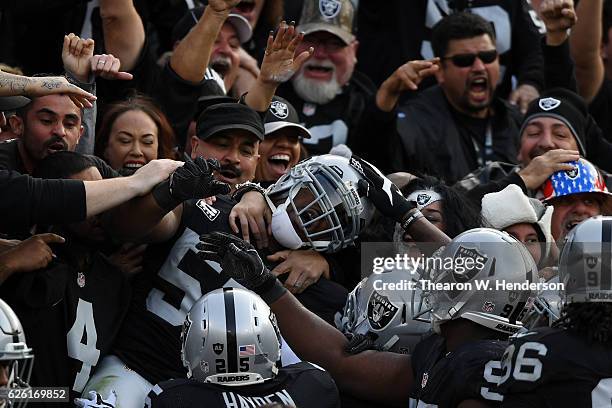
<point x="381" y="306"/>
<point x="474" y="257"/>
<point x="317" y="204"/>
<point x="230" y="337"/>
<point x="16" y="357"/>
<point x="585" y="264"/>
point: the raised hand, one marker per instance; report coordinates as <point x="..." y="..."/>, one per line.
<point x="194" y="179"/>
<point x="76" y="56"/>
<point x="385" y="195"/>
<point x="558" y="15"/>
<point x="41" y="86"/>
<point x="523" y="95"/>
<point x="279" y="64"/>
<point x="240" y="261"/>
<point x="107" y="66"/>
<point x="405" y="78"/>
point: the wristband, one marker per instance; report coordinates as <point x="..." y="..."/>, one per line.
<point x="247" y="186"/>
<point x="163" y="195"/>
<point x="271" y="291"/>
<point x="415" y="215"/>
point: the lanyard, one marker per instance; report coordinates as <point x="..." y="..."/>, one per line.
<point x="484" y="156"/>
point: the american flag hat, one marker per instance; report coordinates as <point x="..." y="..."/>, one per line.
<point x="584" y="178"/>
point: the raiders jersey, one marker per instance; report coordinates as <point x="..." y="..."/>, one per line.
<point x="299" y="385"/>
<point x="445" y="379"/>
<point x="550" y="367"/>
<point x="71" y="312"/>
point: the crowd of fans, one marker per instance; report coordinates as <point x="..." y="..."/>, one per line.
<point x="192" y="193"/>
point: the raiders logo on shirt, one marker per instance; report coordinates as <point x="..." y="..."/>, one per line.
<point x="209" y="211"/>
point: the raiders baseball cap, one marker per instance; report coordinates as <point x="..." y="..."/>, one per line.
<point x="281" y="114"/>
<point x="332" y="16"/>
<point x="10" y="103"/>
<point x="226" y="116"/>
<point x="190" y="19"/>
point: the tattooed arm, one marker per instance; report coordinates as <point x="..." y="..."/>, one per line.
<point x="11" y="85"/>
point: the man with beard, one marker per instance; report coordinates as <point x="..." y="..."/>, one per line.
<point x="335" y="102"/>
<point x="458" y="125"/>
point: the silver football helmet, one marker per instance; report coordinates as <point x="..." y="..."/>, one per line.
<point x="317" y="204"/>
<point x="468" y="272"/>
<point x="585" y="264"/>
<point x="16" y="358"/>
<point x="230" y="337"/>
<point x="381" y="305"/>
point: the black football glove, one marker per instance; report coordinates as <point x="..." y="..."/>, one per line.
<point x="385" y="195"/>
<point x="240" y="261"/>
<point x="192" y="180"/>
<point x="361" y="342"/>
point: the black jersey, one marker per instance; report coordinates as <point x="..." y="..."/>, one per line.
<point x="149" y="342"/>
<point x="550" y="367"/>
<point x="299" y="385"/>
<point x="448" y="378"/>
<point x="71" y="312"/>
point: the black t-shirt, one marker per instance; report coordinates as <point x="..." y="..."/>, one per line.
<point x="447" y="378"/>
<point x="71" y="312"/>
<point x="149" y="342"/>
<point x="298" y="385"/>
<point x="550" y="367"/>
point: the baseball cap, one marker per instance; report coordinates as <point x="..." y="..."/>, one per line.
<point x="225" y="116"/>
<point x="190" y="19"/>
<point x="564" y="105"/>
<point x="583" y="178"/>
<point x="332" y="16"/>
<point x="281" y="114"/>
<point x="10" y="103"/>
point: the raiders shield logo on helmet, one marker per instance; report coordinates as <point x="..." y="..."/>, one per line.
<point x="488" y="307"/>
<point x="472" y="263"/>
<point x="549" y="103"/>
<point x="591" y="261"/>
<point x="423" y="199"/>
<point x="329" y="8"/>
<point x="380" y="311"/>
<point x="279" y="109"/>
<point x="218" y="348"/>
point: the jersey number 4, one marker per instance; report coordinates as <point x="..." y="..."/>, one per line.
<point x="84" y="327"/>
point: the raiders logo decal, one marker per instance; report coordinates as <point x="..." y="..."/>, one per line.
<point x="472" y="263"/>
<point x="209" y="211"/>
<point x="380" y="311"/>
<point x="424" y="380"/>
<point x="218" y="348"/>
<point x="591" y="261"/>
<point x="329" y="8"/>
<point x="573" y="173"/>
<point x="423" y="199"/>
<point x="279" y="109"/>
<point x="488" y="307"/>
<point x="549" y="103"/>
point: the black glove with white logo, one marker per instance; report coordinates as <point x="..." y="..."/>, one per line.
<point x="240" y="261"/>
<point x="361" y="342"/>
<point x="192" y="180"/>
<point x="385" y="195"/>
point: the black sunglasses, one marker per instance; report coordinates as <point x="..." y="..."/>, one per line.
<point x="466" y="60"/>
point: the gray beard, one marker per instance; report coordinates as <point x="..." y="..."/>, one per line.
<point x="315" y="91"/>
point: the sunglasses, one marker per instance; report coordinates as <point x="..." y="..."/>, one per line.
<point x="467" y="60"/>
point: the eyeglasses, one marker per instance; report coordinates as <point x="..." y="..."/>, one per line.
<point x="467" y="60"/>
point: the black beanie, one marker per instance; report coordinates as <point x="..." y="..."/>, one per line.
<point x="564" y="105"/>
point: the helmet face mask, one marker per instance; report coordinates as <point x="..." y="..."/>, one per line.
<point x="316" y="204"/>
<point x="230" y="338"/>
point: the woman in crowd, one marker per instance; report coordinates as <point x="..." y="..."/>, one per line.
<point x="132" y="133"/>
